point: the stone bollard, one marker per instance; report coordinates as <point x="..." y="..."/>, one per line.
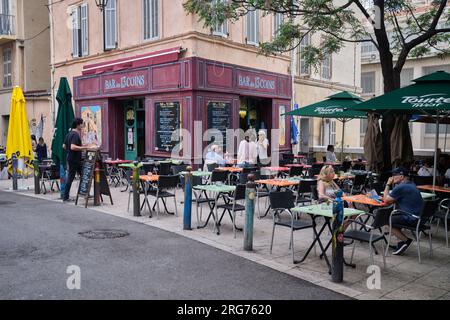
<point x="37" y="186"/>
<point x="250" y="195"/>
<point x="187" y="215"/>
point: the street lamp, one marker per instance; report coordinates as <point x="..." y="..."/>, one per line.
<point x="101" y="4"/>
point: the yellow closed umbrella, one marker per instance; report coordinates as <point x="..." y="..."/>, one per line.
<point x="19" y="138"/>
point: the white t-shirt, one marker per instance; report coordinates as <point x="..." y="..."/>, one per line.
<point x="330" y="157"/>
<point x="247" y="152"/>
<point x="447" y="173"/>
<point x="262" y="148"/>
<point x="425" y="172"/>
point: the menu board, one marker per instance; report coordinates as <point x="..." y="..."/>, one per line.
<point x="167" y="121"/>
<point x="87" y="171"/>
<point x="219" y="117"/>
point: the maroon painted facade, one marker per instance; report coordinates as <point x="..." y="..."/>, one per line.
<point x="193" y="82"/>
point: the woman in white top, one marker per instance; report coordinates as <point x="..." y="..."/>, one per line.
<point x="263" y="146"/>
<point x="247" y="152"/>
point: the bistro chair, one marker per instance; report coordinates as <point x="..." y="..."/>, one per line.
<point x="282" y="202"/>
<point x="296" y="172"/>
<point x="162" y="191"/>
<point x="164" y="168"/>
<point x="372" y="233"/>
<point x="232" y="205"/>
<point x="50" y="175"/>
<point x="314" y="193"/>
<point x="218" y="176"/>
<point x="422" y="180"/>
<point x="346" y="165"/>
<point x="212" y="166"/>
<point x="443" y="214"/>
<point x="148" y="167"/>
<point x="359" y="166"/>
<point x="303" y="194"/>
<point x="423" y="224"/>
<point x="359" y="183"/>
<point x="288" y="158"/>
<point x="315" y="169"/>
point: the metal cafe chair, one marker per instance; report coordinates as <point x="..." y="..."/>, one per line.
<point x="296" y="172"/>
<point x="162" y="191"/>
<point x="232" y="206"/>
<point x="50" y="175"/>
<point x="129" y="179"/>
<point x="282" y="202"/>
<point x="371" y="236"/>
<point x="423" y="224"/>
<point x="218" y="176"/>
<point x="359" y="183"/>
<point x="303" y="192"/>
<point x="443" y="214"/>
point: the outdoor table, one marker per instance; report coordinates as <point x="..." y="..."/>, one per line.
<point x="147" y="180"/>
<point x="275" y="170"/>
<point x="434" y="189"/>
<point x="230" y="169"/>
<point x="218" y="190"/>
<point x="325" y="211"/>
<point x="294" y="165"/>
<point x="202" y="174"/>
<point x="328" y="163"/>
<point x="364" y="199"/>
<point x="341" y="177"/>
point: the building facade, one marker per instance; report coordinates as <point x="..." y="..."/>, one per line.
<point x="423" y="135"/>
<point x="143" y="68"/>
<point x="25" y="62"/>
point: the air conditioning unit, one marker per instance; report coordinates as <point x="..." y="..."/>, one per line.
<point x="373" y="56"/>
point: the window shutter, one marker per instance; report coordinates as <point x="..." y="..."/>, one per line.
<point x="256" y="26"/>
<point x="155" y="15"/>
<point x="75" y="29"/>
<point x="84" y="30"/>
<point x="111" y="25"/>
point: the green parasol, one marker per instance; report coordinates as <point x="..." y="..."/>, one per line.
<point x="340" y="106"/>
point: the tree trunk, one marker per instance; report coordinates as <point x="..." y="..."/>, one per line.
<point x="391" y="81"/>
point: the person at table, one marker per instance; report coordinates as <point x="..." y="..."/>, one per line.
<point x="326" y="187"/>
<point x="425" y="170"/>
<point x="408" y="199"/>
<point x="214" y="156"/>
<point x="247" y="152"/>
<point x="330" y="156"/>
<point x="263" y="146"/>
<point x="41" y="150"/>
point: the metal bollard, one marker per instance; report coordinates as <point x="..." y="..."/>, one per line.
<point x="37" y="186"/>
<point x="187" y="215"/>
<point x="62" y="180"/>
<point x="136" y="198"/>
<point x="97" y="201"/>
<point x="337" y="267"/>
<point x="250" y="195"/>
<point x="14" y="171"/>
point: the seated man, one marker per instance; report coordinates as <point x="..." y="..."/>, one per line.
<point x="408" y="199"/>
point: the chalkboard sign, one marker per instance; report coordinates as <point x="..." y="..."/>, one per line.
<point x="167" y="121"/>
<point x="219" y="118"/>
<point x="87" y="175"/>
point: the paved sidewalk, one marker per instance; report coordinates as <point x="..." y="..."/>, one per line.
<point x="404" y="277"/>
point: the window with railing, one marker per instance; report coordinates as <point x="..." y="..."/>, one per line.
<point x="7" y="68"/>
<point x="406" y="77"/>
<point x="368" y="82"/>
<point x="80" y="31"/>
<point x="326" y="67"/>
<point x="277" y="22"/>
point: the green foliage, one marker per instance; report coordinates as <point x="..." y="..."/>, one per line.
<point x="334" y="24"/>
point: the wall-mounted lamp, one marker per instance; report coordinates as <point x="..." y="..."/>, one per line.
<point x="101" y="4"/>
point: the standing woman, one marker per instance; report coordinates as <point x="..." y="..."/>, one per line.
<point x="263" y="146"/>
<point x="34" y="144"/>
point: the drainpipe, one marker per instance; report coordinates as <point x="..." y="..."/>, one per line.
<point x="52" y="63"/>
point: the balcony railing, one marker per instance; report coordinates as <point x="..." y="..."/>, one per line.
<point x="7" y="27"/>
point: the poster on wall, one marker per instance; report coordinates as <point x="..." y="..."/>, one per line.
<point x="219" y="118"/>
<point x="282" y="125"/>
<point x="92" y="117"/>
<point x="167" y="120"/>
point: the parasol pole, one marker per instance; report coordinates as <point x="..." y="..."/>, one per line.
<point x="342" y="140"/>
<point x="445" y="140"/>
<point x="436" y="145"/>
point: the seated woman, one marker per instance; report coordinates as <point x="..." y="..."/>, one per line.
<point x="426" y="170"/>
<point x="326" y="187"/>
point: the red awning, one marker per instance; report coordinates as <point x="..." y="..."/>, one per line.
<point x="143" y="60"/>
